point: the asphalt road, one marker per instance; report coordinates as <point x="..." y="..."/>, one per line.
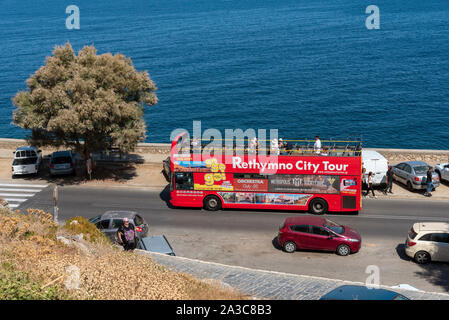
<point x="245" y="238"/>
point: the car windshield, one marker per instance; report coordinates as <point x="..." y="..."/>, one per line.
<point x="95" y="219"/>
<point x="59" y="160"/>
<point x="24" y="161"/>
<point x="334" y="227"/>
<point x="421" y="169"/>
<point x="25" y="153"/>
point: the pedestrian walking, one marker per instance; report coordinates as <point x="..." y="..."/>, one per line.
<point x="429" y="181"/>
<point x="127" y="235"/>
<point x="370" y="184"/>
<point x="364" y="182"/>
<point x="389" y="182"/>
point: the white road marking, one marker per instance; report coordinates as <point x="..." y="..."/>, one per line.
<point x="41" y="186"/>
<point x="15" y="194"/>
<point x="15" y="199"/>
<point x="22" y="190"/>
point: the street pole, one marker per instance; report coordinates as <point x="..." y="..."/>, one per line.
<point x="89" y="168"/>
<point x="55" y="203"/>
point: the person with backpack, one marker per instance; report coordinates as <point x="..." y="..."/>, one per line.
<point x="127" y="235"/>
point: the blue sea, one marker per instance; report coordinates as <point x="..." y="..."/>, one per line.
<point x="302" y="67"/>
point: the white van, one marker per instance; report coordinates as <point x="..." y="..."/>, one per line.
<point x="376" y="163"/>
<point x="27" y="160"/>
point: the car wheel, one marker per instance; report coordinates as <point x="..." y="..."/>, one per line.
<point x="422" y="257"/>
<point x="343" y="250"/>
<point x="318" y="206"/>
<point x="212" y="203"/>
<point x="289" y="246"/>
<point x="409" y="186"/>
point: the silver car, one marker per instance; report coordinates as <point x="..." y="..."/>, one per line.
<point x="62" y="162"/>
<point x="414" y="174"/>
<point x="110" y="221"/>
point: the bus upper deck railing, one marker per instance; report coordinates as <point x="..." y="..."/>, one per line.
<point x="335" y="148"/>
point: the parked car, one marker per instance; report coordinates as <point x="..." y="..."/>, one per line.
<point x="376" y="163"/>
<point x="351" y="292"/>
<point x="27" y="160"/>
<point x="428" y="241"/>
<point x="62" y="162"/>
<point x="110" y="221"/>
<point x="166" y="169"/>
<point x="414" y="174"/>
<point x="157" y="244"/>
<point x="443" y="171"/>
<point x="317" y="233"/>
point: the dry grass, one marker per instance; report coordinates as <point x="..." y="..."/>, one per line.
<point x="28" y="245"/>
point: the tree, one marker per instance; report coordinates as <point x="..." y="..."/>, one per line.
<point x="87" y="101"/>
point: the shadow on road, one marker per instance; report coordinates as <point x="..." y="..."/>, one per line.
<point x="276" y="243"/>
<point x="119" y="172"/>
<point x="400" y="250"/>
<point x="165" y="196"/>
<point x="436" y="273"/>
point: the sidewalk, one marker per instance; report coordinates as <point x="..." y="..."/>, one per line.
<point x="269" y="284"/>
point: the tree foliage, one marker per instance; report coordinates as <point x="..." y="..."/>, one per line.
<point x="86" y="101"/>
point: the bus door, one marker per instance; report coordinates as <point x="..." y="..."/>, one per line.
<point x="349" y="189"/>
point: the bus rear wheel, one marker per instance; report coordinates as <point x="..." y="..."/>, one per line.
<point x="212" y="203"/>
<point x="318" y="206"/>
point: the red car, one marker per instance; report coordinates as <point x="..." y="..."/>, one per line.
<point x="315" y="233"/>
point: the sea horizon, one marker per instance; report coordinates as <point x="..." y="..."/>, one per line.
<point x="303" y="68"/>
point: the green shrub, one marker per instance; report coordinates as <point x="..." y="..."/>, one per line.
<point x="15" y="285"/>
<point x="88" y="229"/>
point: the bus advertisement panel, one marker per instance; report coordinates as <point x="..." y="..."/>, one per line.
<point x="292" y="182"/>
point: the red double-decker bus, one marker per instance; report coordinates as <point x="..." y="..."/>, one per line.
<point x="297" y="178"/>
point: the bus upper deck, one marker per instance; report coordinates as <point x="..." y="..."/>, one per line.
<point x="305" y="147"/>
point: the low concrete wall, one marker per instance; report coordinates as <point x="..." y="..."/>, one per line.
<point x="393" y="155"/>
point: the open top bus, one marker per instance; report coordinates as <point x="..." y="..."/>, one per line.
<point x="292" y="177"/>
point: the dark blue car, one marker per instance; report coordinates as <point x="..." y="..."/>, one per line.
<point x="362" y="293"/>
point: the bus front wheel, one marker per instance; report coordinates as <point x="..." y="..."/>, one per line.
<point x="318" y="206"/>
<point x="212" y="203"/>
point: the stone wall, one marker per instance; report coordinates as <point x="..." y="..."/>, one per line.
<point x="432" y="157"/>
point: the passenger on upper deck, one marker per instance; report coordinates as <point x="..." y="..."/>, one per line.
<point x="252" y="149"/>
<point x="196" y="145"/>
<point x="325" y="152"/>
<point x="317" y="145"/>
<point x="274" y="147"/>
<point x="282" y="147"/>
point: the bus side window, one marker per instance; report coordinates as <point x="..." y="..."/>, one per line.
<point x="184" y="181"/>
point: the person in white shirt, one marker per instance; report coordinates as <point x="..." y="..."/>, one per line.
<point x="252" y="149"/>
<point x="317" y="145"/>
<point x="274" y="146"/>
